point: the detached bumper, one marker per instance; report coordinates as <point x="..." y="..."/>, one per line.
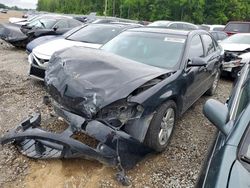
<point x="115" y="147"/>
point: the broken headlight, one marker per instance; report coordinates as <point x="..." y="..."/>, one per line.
<point x="120" y="112"/>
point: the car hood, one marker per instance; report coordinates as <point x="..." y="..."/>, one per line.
<point x="11" y="32"/>
<point x="85" y="80"/>
<point x="41" y="40"/>
<point x="234" y="47"/>
<point x="48" y="48"/>
<point x="17" y="20"/>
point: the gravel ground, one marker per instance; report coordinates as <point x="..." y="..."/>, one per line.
<point x="178" y="166"/>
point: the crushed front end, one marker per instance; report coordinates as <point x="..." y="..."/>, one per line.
<point x="234" y="61"/>
<point x="114" y="147"/>
<point x="93" y="98"/>
<point x="12" y="34"/>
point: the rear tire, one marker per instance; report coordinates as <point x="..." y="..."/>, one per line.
<point x="211" y="91"/>
<point x="161" y="127"/>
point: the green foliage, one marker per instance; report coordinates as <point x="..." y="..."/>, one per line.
<point x="2" y="5"/>
<point x="196" y="11"/>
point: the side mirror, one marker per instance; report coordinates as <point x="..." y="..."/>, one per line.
<point x="196" y="62"/>
<point x="217" y="113"/>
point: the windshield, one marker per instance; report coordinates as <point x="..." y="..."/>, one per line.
<point x="156" y="49"/>
<point x="70" y="32"/>
<point x="42" y="23"/>
<point x="238" y="39"/>
<point x="96" y="33"/>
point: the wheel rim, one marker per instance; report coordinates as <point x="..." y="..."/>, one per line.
<point x="216" y="81"/>
<point x="167" y="125"/>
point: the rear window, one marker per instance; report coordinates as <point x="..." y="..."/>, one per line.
<point x="238" y="27"/>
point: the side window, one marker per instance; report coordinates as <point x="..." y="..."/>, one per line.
<point x="244" y="151"/>
<point x="215" y="35"/>
<point x="173" y="26"/>
<point x="222" y="36"/>
<point x="62" y="24"/>
<point x="244" y="98"/>
<point x="208" y="44"/>
<point x="73" y="23"/>
<point x="191" y="27"/>
<point x="196" y="48"/>
<point x="180" y="26"/>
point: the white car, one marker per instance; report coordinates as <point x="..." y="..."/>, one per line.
<point x="174" y="25"/>
<point x="212" y="27"/>
<point x="91" y="36"/>
<point x="237" y="52"/>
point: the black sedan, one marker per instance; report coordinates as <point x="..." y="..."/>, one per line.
<point x="127" y="96"/>
<point x="20" y="36"/>
<point x="228" y="162"/>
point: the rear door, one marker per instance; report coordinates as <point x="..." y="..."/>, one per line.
<point x="212" y="57"/>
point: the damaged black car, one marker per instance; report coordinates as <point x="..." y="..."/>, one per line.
<point x="20" y="36"/>
<point x="127" y="95"/>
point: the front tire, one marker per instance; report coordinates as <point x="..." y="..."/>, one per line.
<point x="161" y="127"/>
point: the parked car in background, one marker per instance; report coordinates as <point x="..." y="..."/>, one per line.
<point x="237" y="27"/>
<point x="41" y="40"/>
<point x="218" y="35"/>
<point x="30" y="13"/>
<point x="228" y="162"/>
<point x="22" y="21"/>
<point x="89" y="35"/>
<point x="5" y="11"/>
<point x="127" y="95"/>
<point x="212" y="27"/>
<point x="44" y="25"/>
<point x="174" y="25"/>
<point x="237" y="52"/>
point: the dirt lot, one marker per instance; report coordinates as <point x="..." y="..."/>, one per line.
<point x="178" y="166"/>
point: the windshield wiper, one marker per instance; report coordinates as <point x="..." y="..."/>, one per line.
<point x="42" y="24"/>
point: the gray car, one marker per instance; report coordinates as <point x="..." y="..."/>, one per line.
<point x="228" y="162"/>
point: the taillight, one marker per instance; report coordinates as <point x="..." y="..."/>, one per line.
<point x="229" y="33"/>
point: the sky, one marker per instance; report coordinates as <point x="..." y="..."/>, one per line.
<point x="29" y="4"/>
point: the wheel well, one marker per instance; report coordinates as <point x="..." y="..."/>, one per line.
<point x="176" y="101"/>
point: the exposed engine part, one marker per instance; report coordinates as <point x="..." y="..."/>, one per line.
<point x="119" y="113"/>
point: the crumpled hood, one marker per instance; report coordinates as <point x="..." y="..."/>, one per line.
<point x="11" y="32"/>
<point x="85" y="80"/>
<point x="48" y="48"/>
<point x="17" y="20"/>
<point x="234" y="47"/>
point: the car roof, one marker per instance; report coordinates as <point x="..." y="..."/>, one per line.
<point x="246" y="22"/>
<point x="168" y="22"/>
<point x="162" y="30"/>
<point x="217" y="32"/>
<point x="55" y="16"/>
<point x="115" y="25"/>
